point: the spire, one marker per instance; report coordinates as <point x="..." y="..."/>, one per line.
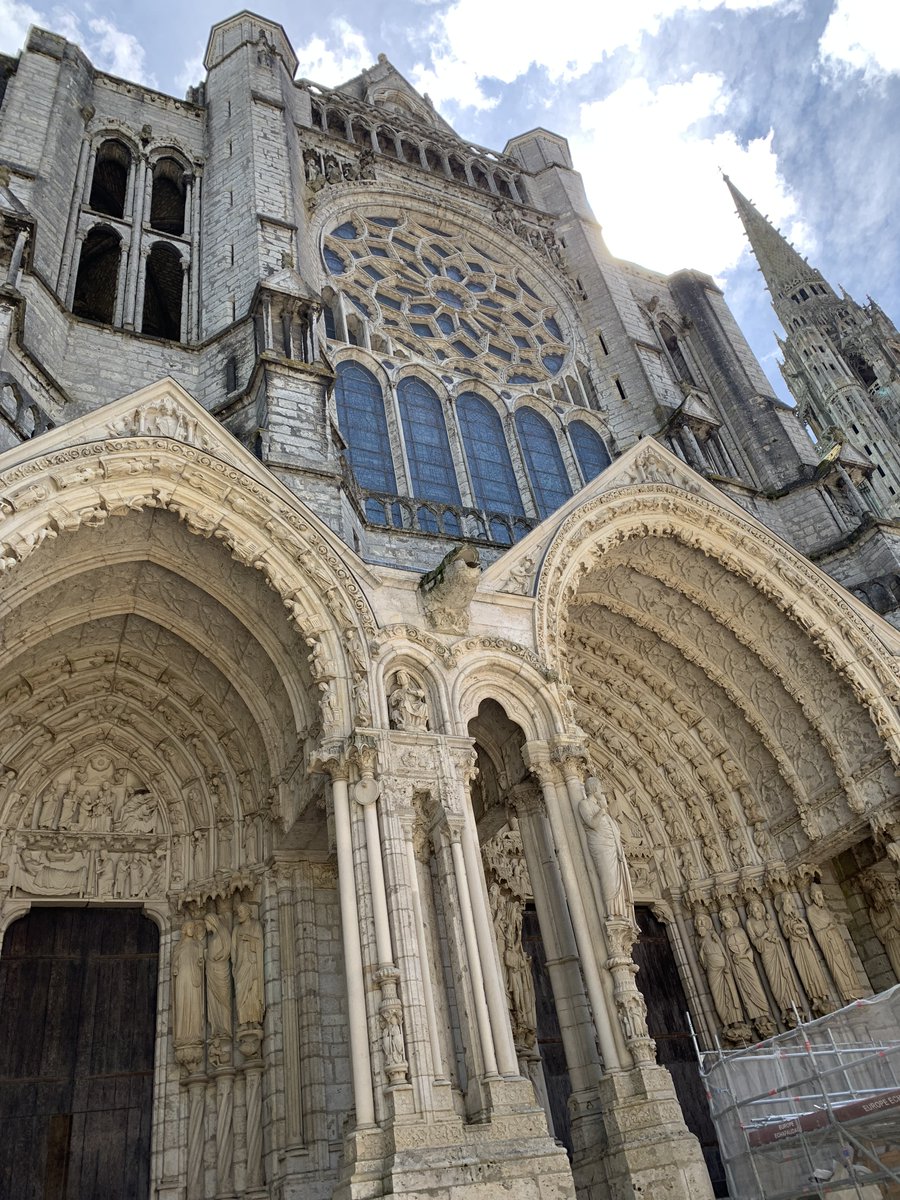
<point x="783" y="268"/>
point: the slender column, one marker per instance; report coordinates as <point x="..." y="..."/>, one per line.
<point x="119" y="306"/>
<point x="507" y="1060"/>
<point x="573" y="1011"/>
<point x="89" y="176"/>
<point x="482" y="1015"/>
<point x="76" y="263"/>
<point x="195" y="1141"/>
<point x="605" y="1036"/>
<point x="353" y="965"/>
<point x="437" y="1061"/>
<point x="574" y="791"/>
<point x="195" y="331"/>
<point x="137" y="318"/>
<point x="135" y="248"/>
<point x="78" y="198"/>
<point x="15" y="261"/>
<point x="185" y="299"/>
<point x="224" y="1133"/>
<point x="293" y="1111"/>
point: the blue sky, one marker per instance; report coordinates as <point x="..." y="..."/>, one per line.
<point x="798" y="100"/>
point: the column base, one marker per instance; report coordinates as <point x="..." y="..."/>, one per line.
<point x="511" y="1155"/>
<point x="645" y="1148"/>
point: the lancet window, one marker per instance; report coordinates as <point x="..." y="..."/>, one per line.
<point x="546" y="469"/>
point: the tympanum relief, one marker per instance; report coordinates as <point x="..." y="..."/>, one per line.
<point x="95" y="831"/>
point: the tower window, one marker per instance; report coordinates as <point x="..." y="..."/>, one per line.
<point x="98" y="275"/>
<point x="546" y="469"/>
<point x="109" y="185"/>
<point x="490" y="466"/>
<point x="590" y="450"/>
<point x="162" y="293"/>
<point x="167" y="198"/>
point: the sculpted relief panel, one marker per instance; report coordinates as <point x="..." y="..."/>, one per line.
<point x="95" y="831"/>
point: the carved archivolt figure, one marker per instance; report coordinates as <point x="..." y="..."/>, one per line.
<point x="407" y="703"/>
<point x="218" y="976"/>
<point x="247" y="960"/>
<point x="803" y="952"/>
<point x="712" y="955"/>
<point x="834" y="947"/>
<point x="187" y="984"/>
<point x="769" y="946"/>
<point x="885" y="918"/>
<point x="746" y="976"/>
<point x="605" y="845"/>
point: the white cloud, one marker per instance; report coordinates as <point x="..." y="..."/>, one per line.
<point x="862" y="35"/>
<point x="336" y="60"/>
<point x="14" y="21"/>
<point x="653" y="175"/>
<point x="108" y="47"/>
<point x="502" y="39"/>
<point x="192" y="71"/>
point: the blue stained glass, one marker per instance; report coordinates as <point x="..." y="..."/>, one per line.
<point x="374" y="272"/>
<point x="431" y="469"/>
<point x="498" y="353"/>
<point x="454" y="273"/>
<point x="590" y="450"/>
<point x="523" y="320"/>
<point x="544" y="461"/>
<point x="522" y="379"/>
<point x="474" y="286"/>
<point x="448" y="298"/>
<point x="360" y="410"/>
<point x="440" y="250"/>
<point x="553" y="328"/>
<point x="363" y="307"/>
<point x="505" y="292"/>
<point x="380" y="251"/>
<point x="400" y="242"/>
<point x="388" y="301"/>
<point x="522" y="343"/>
<point x="490" y="467"/>
<point x="464" y="350"/>
<point x="347" y="231"/>
<point x="334" y="262"/>
<point x="390" y="222"/>
<point x="432" y="266"/>
<point x="422" y="330"/>
<point x="490" y="304"/>
<point x="421" y="310"/>
<point x="553" y="362"/>
<point x="446" y="323"/>
<point x="467" y="328"/>
<point x="525" y="288"/>
<point x="475" y="267"/>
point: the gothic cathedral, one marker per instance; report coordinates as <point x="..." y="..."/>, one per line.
<point x="436" y="671"/>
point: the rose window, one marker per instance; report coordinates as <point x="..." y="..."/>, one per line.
<point x="443" y="296"/>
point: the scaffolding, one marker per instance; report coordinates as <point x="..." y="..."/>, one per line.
<point x="814" y="1112"/>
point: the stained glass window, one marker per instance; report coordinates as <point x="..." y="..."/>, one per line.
<point x="590" y="450"/>
<point x="360" y="411"/>
<point x="431" y="469"/>
<point x="490" y="467"/>
<point x="544" y="461"/>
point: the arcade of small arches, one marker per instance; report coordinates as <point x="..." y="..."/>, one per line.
<point x="471" y="166"/>
<point x="465" y="467"/>
<point x="133" y="235"/>
<point x="202" y="715"/>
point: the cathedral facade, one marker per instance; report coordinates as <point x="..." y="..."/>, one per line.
<point x="437" y="671"/>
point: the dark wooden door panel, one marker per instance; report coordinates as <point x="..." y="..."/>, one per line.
<point x="661" y="988"/>
<point x="553" y="1058"/>
<point x="77" y="1024"/>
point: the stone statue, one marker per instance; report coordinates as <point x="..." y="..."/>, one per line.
<point x="187" y="984"/>
<point x="392" y="1035"/>
<point x="746" y="976"/>
<point x="712" y="955"/>
<point x="769" y="946"/>
<point x="885" y="918"/>
<point x="605" y="845"/>
<point x="218" y="977"/>
<point x="247" y="962"/>
<point x="833" y="945"/>
<point x="803" y="952"/>
<point x="407" y="703"/>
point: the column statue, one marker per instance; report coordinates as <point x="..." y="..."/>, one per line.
<point x="885" y="917"/>
<point x="247" y="962"/>
<point x="407" y="703"/>
<point x="187" y="985"/>
<point x="218" y="977"/>
<point x="769" y="946"/>
<point x="712" y="956"/>
<point x="833" y="945"/>
<point x="803" y="952"/>
<point x="605" y="845"/>
<point x="746" y="976"/>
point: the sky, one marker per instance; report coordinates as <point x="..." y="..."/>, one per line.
<point x="797" y="100"/>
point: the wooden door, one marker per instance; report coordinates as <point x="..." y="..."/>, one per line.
<point x="661" y="988"/>
<point x="549" y="1039"/>
<point x="77" y="1026"/>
